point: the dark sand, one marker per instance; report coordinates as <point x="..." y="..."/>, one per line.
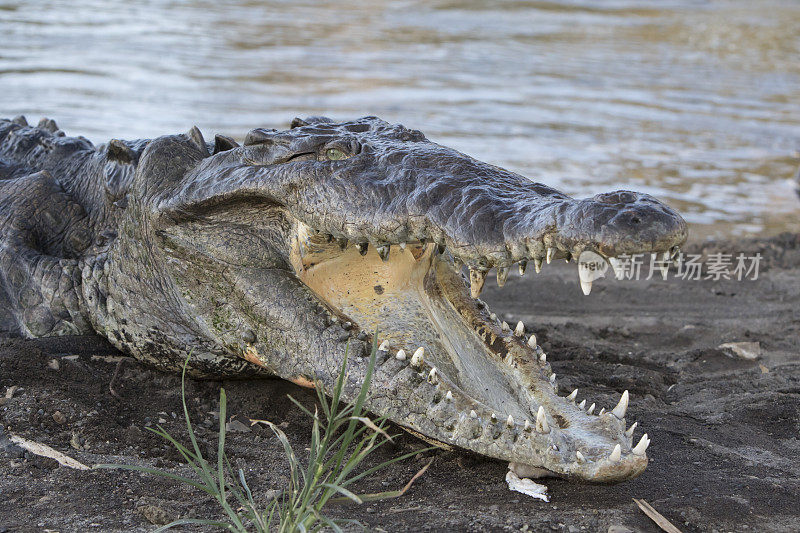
<point x="725" y="454"/>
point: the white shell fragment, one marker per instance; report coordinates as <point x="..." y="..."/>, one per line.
<point x="527" y="486"/>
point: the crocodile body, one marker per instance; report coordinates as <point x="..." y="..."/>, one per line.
<point x="281" y="255"/>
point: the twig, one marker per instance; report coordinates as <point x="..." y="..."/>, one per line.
<point x="387" y="494"/>
<point x="44" y="450"/>
<point x="114" y="378"/>
<point x="656" y="517"/>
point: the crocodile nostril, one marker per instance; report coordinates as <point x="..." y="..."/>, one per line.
<point x="635" y="219"/>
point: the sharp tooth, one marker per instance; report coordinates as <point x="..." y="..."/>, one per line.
<point x="622" y="406"/>
<point x="629" y="431"/>
<point x="510" y="421"/>
<point x="527" y="426"/>
<point x="586" y="287"/>
<point x="568" y="258"/>
<point x="473" y="414"/>
<point x="543" y="357"/>
<point x="602" y="410"/>
<point x="582" y="405"/>
<point x="476" y="279"/>
<point x="615" y="454"/>
<point x="553" y="378"/>
<point x="432" y="377"/>
<point x="579" y="456"/>
<point x="505" y="326"/>
<point x="384" y="347"/>
<point x="541" y="421"/>
<point x="675" y="250"/>
<point x="417" y="358"/>
<point x="402" y="246"/>
<point x="519" y="331"/>
<point x="502" y="276"/>
<point x="537" y="264"/>
<point x="449" y="396"/>
<point x="573" y="395"/>
<point x="551" y="252"/>
<point x="522" y="266"/>
<point x="640" y="448"/>
<point x="619" y="269"/>
<point x="493" y="417"/>
<point x="362" y="247"/>
<point x="532" y="341"/>
<point x="590" y="410"/>
<point x="383" y="251"/>
<point x="493" y="316"/>
<point x="401" y="355"/>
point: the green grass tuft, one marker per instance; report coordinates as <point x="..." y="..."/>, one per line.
<point x="340" y="441"/>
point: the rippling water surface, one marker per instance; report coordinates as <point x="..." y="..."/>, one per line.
<point x="695" y="102"/>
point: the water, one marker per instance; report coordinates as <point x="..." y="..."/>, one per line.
<point x="695" y="102"/>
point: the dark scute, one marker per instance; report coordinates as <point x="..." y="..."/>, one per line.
<point x="197" y="138"/>
<point x="20" y="120"/>
<point x="259" y="136"/>
<point x="120" y="152"/>
<point x="358" y="127"/>
<point x="48" y="124"/>
<point x="223" y="144"/>
<point x="299" y="122"/>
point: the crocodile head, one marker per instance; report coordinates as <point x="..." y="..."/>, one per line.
<point x="297" y="246"/>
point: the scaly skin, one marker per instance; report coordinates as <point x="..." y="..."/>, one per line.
<point x="279" y="256"/>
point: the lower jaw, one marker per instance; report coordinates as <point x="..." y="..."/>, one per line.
<point x="417" y="299"/>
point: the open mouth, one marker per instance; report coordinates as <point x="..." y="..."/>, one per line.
<point x="467" y="379"/>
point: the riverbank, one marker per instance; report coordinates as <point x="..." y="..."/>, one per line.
<point x="725" y="453"/>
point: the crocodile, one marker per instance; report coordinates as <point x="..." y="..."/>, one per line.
<point x="321" y="245"/>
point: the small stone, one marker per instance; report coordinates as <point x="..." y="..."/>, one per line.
<point x="749" y="351"/>
<point x="156" y="515"/>
<point x="53" y="364"/>
<point x="619" y="529"/>
<point x="59" y="417"/>
<point x="234" y="426"/>
<point x="249" y="336"/>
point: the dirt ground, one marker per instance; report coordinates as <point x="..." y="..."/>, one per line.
<point x="725" y="453"/>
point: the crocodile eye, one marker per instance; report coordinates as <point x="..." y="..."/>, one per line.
<point x="334" y="154"/>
